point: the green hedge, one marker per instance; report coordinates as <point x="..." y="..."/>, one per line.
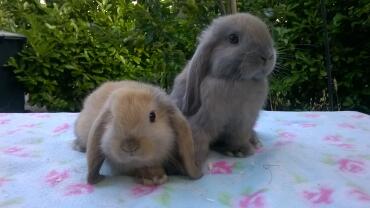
<point x="300" y="81"/>
<point x="74" y="45"/>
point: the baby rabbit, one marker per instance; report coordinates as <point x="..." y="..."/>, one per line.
<point x="223" y="87"/>
<point x="138" y="129"/>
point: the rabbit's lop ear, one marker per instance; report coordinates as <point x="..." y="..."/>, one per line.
<point x="95" y="157"/>
<point x="185" y="144"/>
<point x="196" y="71"/>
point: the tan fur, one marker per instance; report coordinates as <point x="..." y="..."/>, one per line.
<point x="114" y="124"/>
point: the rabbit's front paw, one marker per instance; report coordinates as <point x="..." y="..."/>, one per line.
<point x="155" y="180"/>
<point x="256" y="143"/>
<point x="242" y="151"/>
<point x="151" y="176"/>
<point x="78" y="146"/>
<point x="94" y="179"/>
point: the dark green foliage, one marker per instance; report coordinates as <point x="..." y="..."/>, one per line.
<point x="300" y="81"/>
<point x="74" y="45"/>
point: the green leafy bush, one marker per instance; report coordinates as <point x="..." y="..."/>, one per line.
<point x="300" y="81"/>
<point x="75" y="45"/>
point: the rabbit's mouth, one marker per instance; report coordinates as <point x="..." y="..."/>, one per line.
<point x="259" y="75"/>
<point x="250" y="72"/>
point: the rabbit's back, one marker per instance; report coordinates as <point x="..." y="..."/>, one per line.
<point x="179" y="88"/>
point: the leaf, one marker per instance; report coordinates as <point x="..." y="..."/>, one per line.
<point x="238" y="165"/>
<point x="36" y="140"/>
<point x="247" y="191"/>
<point x="52" y="27"/>
<point x="11" y="202"/>
<point x="225" y="199"/>
<point x="136" y="60"/>
<point x="121" y="59"/>
<point x="299" y="179"/>
<point x="69" y="66"/>
<point x="328" y="160"/>
<point x="366" y="157"/>
<point x="263" y="190"/>
<point x="164" y="198"/>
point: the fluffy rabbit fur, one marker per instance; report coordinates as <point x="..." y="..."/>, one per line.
<point x="223" y="87"/>
<point x="138" y="129"/>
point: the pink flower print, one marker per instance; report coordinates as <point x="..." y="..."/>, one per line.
<point x="28" y="125"/>
<point x="11" y="132"/>
<point x="256" y="200"/>
<point x="16" y="151"/>
<point x="346" y="126"/>
<point x="61" y="128"/>
<point x="337" y="141"/>
<point x="220" y="167"/>
<point x="78" y="189"/>
<point x="323" y="196"/>
<point x="360" y="195"/>
<point x="54" y="177"/>
<point x="259" y="150"/>
<point x="282" y="142"/>
<point x="141" y="190"/>
<point x="351" y="166"/>
<point x="4" y="121"/>
<point x="308" y="125"/>
<point x="333" y="138"/>
<point x="12" y="150"/>
<point x="287" y="135"/>
<point x="311" y="115"/>
<point x="345" y="146"/>
<point x="3" y="181"/>
<point x="286" y="138"/>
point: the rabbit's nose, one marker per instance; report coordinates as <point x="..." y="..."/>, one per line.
<point x="266" y="58"/>
<point x="130" y="145"/>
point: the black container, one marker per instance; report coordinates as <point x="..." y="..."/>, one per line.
<point x="11" y="92"/>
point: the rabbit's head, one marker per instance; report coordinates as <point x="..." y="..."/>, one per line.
<point x="137" y="126"/>
<point x="140" y="128"/>
<point x="241" y="47"/>
<point x="234" y="47"/>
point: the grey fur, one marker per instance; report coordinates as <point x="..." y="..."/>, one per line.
<point x="223" y="87"/>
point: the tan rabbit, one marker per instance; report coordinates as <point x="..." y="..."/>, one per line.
<point x="138" y="129"/>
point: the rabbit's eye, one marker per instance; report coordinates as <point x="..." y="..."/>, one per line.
<point x="152" y="116"/>
<point x="233" y="39"/>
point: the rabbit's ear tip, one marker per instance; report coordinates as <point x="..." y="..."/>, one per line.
<point x="94" y="179"/>
<point x="196" y="174"/>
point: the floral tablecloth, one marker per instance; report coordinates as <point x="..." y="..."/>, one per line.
<point x="309" y="159"/>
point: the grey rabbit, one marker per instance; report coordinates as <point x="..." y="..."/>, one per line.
<point x="224" y="86"/>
